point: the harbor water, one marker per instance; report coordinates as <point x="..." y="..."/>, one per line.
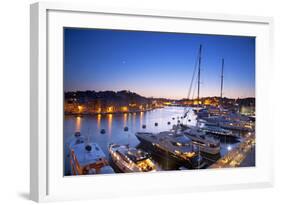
<point x="91" y="125"/>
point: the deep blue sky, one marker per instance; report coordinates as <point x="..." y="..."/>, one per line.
<point x="155" y="64"/>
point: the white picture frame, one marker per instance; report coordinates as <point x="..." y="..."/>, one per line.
<point x="46" y="178"/>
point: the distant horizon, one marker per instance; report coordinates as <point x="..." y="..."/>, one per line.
<point x="157" y="64"/>
<point x="158" y="97"/>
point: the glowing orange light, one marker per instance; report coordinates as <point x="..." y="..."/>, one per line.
<point x="80" y="108"/>
<point x="124" y="109"/>
<point x="110" y="109"/>
<point x="167" y="103"/>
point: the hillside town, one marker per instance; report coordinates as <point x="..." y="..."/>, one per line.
<point x="104" y="102"/>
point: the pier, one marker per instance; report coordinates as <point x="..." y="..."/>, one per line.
<point x="239" y="155"/>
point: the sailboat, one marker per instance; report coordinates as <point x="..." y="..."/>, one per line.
<point x="223" y="120"/>
<point x="206" y="142"/>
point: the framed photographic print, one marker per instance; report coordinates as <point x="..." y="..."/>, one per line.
<point x="154" y="101"/>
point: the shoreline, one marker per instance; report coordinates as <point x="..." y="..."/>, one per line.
<point x="124" y="112"/>
<point x="107" y="113"/>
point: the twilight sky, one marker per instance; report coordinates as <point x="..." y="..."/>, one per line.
<point x="155" y="64"/>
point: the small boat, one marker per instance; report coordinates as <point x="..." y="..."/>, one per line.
<point x="129" y="159"/>
<point x="87" y="157"/>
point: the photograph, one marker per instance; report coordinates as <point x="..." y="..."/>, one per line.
<point x="149" y="101"/>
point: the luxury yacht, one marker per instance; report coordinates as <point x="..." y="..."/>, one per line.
<point x="87" y="157"/>
<point x="206" y="142"/>
<point x="129" y="159"/>
<point x="239" y="126"/>
<point x="231" y="122"/>
<point x="218" y="131"/>
<point x="177" y="147"/>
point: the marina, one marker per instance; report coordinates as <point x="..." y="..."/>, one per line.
<point x="114" y="124"/>
<point x="126" y="132"/>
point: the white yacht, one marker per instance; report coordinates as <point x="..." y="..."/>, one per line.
<point x="232" y="121"/>
<point x="170" y="145"/>
<point x="218" y="131"/>
<point x="87" y="157"/>
<point x="207" y="143"/>
<point x="129" y="159"/>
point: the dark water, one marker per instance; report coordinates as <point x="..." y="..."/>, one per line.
<point x="90" y="126"/>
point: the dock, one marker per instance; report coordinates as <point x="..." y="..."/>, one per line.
<point x="240" y="155"/>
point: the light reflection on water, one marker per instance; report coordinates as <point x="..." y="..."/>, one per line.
<point x="90" y="126"/>
<point x="109" y="124"/>
<point x="78" y="124"/>
<point x="99" y="120"/>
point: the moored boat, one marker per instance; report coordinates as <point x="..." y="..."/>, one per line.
<point x="206" y="142"/>
<point x="176" y="147"/>
<point x="130" y="159"/>
<point x="218" y="131"/>
<point x="87" y="157"/>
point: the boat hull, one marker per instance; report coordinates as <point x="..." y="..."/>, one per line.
<point x="163" y="153"/>
<point x="210" y="151"/>
<point x="121" y="165"/>
<point x="130" y="159"/>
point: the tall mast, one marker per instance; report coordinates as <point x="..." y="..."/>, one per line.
<point x="199" y="71"/>
<point x="222" y="65"/>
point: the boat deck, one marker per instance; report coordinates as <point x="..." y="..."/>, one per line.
<point x="132" y="153"/>
<point x="85" y="157"/>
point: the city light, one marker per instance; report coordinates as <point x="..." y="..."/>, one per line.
<point x="229" y="147"/>
<point x="110" y="109"/>
<point x="124" y="109"/>
<point x="80" y="108"/>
